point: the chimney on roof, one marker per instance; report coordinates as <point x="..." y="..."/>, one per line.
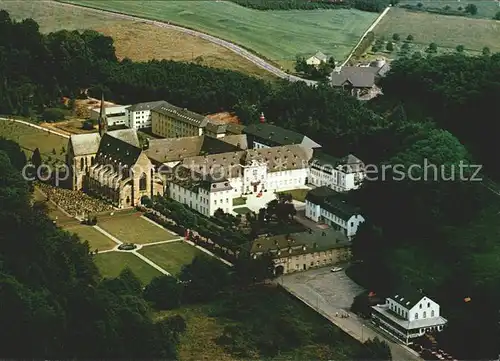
<point x="262" y="118"/>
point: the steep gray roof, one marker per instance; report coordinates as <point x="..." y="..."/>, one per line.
<point x="176" y="149"/>
<point x="217" y="128"/>
<point x="181" y="114"/>
<point x="348" y="164"/>
<point x="238" y="140"/>
<point x="407" y="297"/>
<point x="84" y="144"/>
<point x="332" y="201"/>
<point x="127" y="135"/>
<point x="235" y="128"/>
<point x="274" y="135"/>
<point x="320" y="56"/>
<point x="358" y="77"/>
<point x="112" y="149"/>
<point x="145" y="106"/>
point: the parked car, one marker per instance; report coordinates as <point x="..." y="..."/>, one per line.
<point x="336" y="269"/>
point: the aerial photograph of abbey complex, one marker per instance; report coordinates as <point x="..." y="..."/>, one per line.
<point x="250" y="180"/>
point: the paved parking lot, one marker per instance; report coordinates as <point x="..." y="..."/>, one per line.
<point x="321" y="286"/>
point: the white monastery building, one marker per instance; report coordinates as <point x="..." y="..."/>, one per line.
<point x="323" y="205"/>
<point x="341" y="175"/>
<point x="209" y="182"/>
<point x="408" y="316"/>
<point x="139" y="115"/>
<point x="115" y="114"/>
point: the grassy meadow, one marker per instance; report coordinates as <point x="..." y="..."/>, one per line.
<point x="277" y="35"/>
<point x="30" y="138"/>
<point x="485" y="8"/>
<point x="446" y="31"/>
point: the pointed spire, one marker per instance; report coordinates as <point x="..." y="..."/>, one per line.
<point x="262" y="118"/>
<point x="102" y="121"/>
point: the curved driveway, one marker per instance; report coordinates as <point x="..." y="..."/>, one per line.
<point x="226" y="44"/>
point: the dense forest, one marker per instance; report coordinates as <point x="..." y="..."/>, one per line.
<point x="439" y="236"/>
<point x="53" y="300"/>
<point x="365" y="5"/>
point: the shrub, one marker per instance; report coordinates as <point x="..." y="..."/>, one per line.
<point x="52" y="115"/>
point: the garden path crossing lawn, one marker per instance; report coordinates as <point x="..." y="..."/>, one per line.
<point x="30" y="138"/>
<point x="110" y="265"/>
<point x="131" y="228"/>
<point x="277" y="35"/>
<point x="96" y="239"/>
<point x="171" y="256"/>
<point x="446" y="31"/>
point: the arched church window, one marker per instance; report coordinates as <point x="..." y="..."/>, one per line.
<point x="142" y="182"/>
<point x="81" y="164"/>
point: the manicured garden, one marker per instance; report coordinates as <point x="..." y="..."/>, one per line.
<point x="96" y="239"/>
<point x="171" y="256"/>
<point x="110" y="265"/>
<point x="131" y="228"/>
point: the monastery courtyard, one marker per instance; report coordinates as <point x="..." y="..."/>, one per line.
<point x="158" y="251"/>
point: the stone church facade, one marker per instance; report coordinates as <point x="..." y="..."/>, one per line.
<point x="112" y="165"/>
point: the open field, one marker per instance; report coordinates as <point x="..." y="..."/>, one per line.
<point x="30" y="138"/>
<point x="135" y="40"/>
<point x="130" y="228"/>
<point x="277" y="35"/>
<point x="171" y="256"/>
<point x="485" y="8"/>
<point x="96" y="239"/>
<point x="446" y="31"/>
<point x="112" y="263"/>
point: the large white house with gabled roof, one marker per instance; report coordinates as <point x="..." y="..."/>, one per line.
<point x="408" y="316"/>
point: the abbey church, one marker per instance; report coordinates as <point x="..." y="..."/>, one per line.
<point x="111" y="164"/>
<point x="201" y="164"/>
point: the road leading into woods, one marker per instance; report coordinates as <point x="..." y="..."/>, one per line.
<point x="226" y="44"/>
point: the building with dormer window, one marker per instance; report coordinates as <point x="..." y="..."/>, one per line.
<point x="408" y="316"/>
<point x="324" y="205"/>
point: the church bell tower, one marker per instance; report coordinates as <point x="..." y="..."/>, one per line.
<point x="102" y="121"/>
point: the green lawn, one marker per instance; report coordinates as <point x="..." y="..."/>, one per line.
<point x="30" y="138"/>
<point x="131" y="228"/>
<point x="298" y="194"/>
<point x="485" y="8"/>
<point x="242" y="210"/>
<point x="112" y="263"/>
<point x="278" y="35"/>
<point x="446" y="31"/>
<point x="171" y="256"/>
<point x="96" y="239"/>
<point x="239" y="201"/>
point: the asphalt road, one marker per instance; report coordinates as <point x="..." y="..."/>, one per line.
<point x="226" y="44"/>
<point x="331" y="293"/>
